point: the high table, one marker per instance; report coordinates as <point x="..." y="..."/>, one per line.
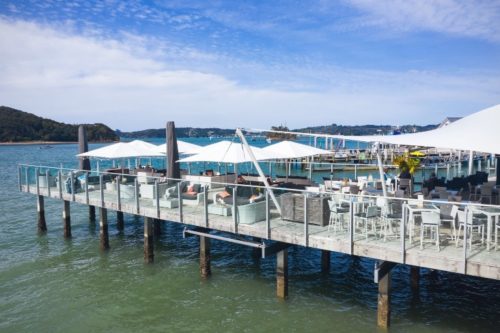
<point x="417" y="208"/>
<point x="491" y="213"/>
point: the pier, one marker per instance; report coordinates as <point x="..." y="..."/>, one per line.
<point x="389" y="240"/>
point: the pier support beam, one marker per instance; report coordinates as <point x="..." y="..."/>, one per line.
<point x="157" y="228"/>
<point x="205" y="269"/>
<point x="66" y="219"/>
<point x="382" y="276"/>
<point x="282" y="274"/>
<point x="325" y="261"/>
<point x="103" y="229"/>
<point x="92" y="214"/>
<point x="414" y="277"/>
<point x="148" y="240"/>
<point x="119" y="221"/>
<point x="40" y="207"/>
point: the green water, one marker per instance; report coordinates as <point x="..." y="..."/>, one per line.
<point x="48" y="284"/>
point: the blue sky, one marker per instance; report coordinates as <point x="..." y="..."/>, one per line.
<point x="137" y="64"/>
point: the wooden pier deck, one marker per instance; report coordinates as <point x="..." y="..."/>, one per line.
<point x="476" y="262"/>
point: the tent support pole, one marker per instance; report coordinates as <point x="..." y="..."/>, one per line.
<point x="259" y="170"/>
<point x="381" y="171"/>
<point x="471" y="161"/>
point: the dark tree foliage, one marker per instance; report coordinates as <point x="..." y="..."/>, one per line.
<point x="18" y="126"/>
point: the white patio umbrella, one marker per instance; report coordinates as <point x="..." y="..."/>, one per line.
<point x="226" y="152"/>
<point x="122" y="150"/>
<point x="185" y="148"/>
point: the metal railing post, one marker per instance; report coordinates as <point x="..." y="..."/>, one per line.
<point x="351" y="225"/>
<point x="136" y="190"/>
<point x="205" y="204"/>
<point x="355" y="171"/>
<point x="37" y="182"/>
<point x="235" y="210"/>
<point x="306" y="222"/>
<point x="465" y="238"/>
<point x="119" y="192"/>
<point x="87" y="187"/>
<point x="157" y="199"/>
<point x="47" y="177"/>
<point x="27" y="179"/>
<point x="179" y="198"/>
<point x="19" y="177"/>
<point x="59" y="182"/>
<point x="403" y="233"/>
<point x="72" y="185"/>
<point x="101" y="189"/>
<point x="268" y="216"/>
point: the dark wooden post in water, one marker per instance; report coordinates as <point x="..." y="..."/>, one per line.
<point x="325" y="261"/>
<point x="205" y="269"/>
<point x="40" y="207"/>
<point x="119" y="221"/>
<point x="66" y="220"/>
<point x="282" y="274"/>
<point x="103" y="229"/>
<point x="148" y="240"/>
<point x="157" y="228"/>
<point x="84" y="162"/>
<point x="382" y="276"/>
<point x="414" y="277"/>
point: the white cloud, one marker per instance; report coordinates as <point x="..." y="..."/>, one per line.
<point x="471" y="18"/>
<point x="77" y="79"/>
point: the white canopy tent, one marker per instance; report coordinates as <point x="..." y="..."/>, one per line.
<point x="185" y="148"/>
<point x="477" y="132"/>
<point x="290" y="149"/>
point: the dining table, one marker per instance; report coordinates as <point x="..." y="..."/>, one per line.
<point x="492" y="215"/>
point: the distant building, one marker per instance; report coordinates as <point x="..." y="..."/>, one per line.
<point x="448" y="120"/>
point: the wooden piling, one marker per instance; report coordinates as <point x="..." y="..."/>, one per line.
<point x="282" y="273"/>
<point x="66" y="219"/>
<point x="92" y="214"/>
<point x="205" y="269"/>
<point x="103" y="229"/>
<point x="414" y="277"/>
<point x="40" y="207"/>
<point x="148" y="240"/>
<point x="119" y="221"/>
<point x="157" y="228"/>
<point x="325" y="261"/>
<point x="384" y="301"/>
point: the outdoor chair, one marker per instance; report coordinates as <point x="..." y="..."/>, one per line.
<point x="391" y="217"/>
<point x="469" y="223"/>
<point x="448" y="213"/>
<point x="369" y="219"/>
<point x="405" y="185"/>
<point x="486" y="195"/>
<point x="337" y="213"/>
<point x="431" y="221"/>
<point x="497" y="228"/>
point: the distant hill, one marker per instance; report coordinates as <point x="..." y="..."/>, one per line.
<point x="364" y="129"/>
<point x="180" y="132"/>
<point x="19" y="126"/>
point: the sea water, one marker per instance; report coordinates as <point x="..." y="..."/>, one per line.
<point x="49" y="284"/>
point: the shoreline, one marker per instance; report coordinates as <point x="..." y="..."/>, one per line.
<point x="35" y="143"/>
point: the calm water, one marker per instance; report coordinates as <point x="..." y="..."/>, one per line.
<point x="48" y="284"/>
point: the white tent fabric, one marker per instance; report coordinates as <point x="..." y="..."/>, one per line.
<point x="290" y="149"/>
<point x="142" y="145"/>
<point x="226" y="152"/>
<point x="185" y="148"/>
<point x="122" y="150"/>
<point x="477" y="132"/>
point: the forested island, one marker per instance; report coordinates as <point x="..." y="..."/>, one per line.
<point x="20" y="126"/>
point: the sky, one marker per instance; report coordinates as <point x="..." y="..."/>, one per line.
<point x="136" y="64"/>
